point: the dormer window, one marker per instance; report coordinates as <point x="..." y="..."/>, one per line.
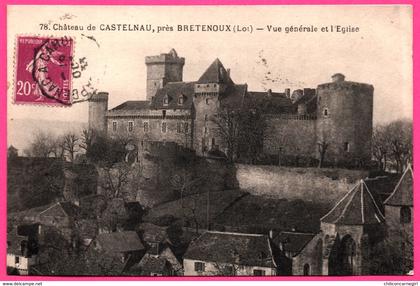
<point x="181" y="99"/>
<point x="166" y="100"/>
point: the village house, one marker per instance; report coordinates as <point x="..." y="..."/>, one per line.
<point x="124" y="246"/>
<point x="22" y="248"/>
<point x="229" y="254"/>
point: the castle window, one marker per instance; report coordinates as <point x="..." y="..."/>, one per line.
<point x="146" y="126"/>
<point x="186" y="127"/>
<point x="179" y="127"/>
<point x="205" y="117"/>
<point x="325" y="112"/>
<point x="205" y="130"/>
<point x="16" y="259"/>
<point x="163" y="127"/>
<point x="346" y="146"/>
<point x="163" y="114"/>
<point x="405" y="214"/>
<point x="306" y="269"/>
<point x="207" y="100"/>
<point x="130" y="126"/>
<point x="114" y="126"/>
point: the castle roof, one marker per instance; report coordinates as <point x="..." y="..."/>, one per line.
<point x="234" y="248"/>
<point x="133" y="105"/>
<point x="174" y="90"/>
<point x="215" y="73"/>
<point x="271" y="103"/>
<point x="357" y="207"/>
<point x="61" y="209"/>
<point x="403" y="192"/>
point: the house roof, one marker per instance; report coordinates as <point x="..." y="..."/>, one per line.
<point x="215" y="73"/>
<point x="234" y="96"/>
<point x="153" y="233"/>
<point x="61" y="209"/>
<point x="152" y="264"/>
<point x="174" y="90"/>
<point x="403" y="192"/>
<point x="133" y="105"/>
<point x="235" y="248"/>
<point x="357" y="207"/>
<point x="119" y="242"/>
<point x="293" y="241"/>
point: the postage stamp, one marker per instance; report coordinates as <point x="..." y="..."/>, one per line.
<point x="43" y="70"/>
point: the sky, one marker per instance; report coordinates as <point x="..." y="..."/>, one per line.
<point x="379" y="54"/>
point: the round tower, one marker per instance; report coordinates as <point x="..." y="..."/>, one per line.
<point x="344" y="124"/>
<point x="98" y="106"/>
<point x="162" y="69"/>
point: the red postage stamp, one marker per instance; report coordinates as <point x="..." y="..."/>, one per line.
<point x="43" y="70"/>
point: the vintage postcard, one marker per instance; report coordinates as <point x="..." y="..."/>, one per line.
<point x="210" y="140"/>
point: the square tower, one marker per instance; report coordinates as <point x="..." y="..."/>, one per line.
<point x="162" y="69"/>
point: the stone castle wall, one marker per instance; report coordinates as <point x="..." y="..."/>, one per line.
<point x="345" y="120"/>
<point x="313" y="184"/>
<point x="290" y="135"/>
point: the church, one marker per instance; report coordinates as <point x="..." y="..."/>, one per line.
<point x="332" y="122"/>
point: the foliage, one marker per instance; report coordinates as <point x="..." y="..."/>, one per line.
<point x="392" y="145"/>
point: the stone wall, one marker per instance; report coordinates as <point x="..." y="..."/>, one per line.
<point x="290" y="135"/>
<point x="311" y="255"/>
<point x="345" y="120"/>
<point x="179" y="126"/>
<point x="310" y="184"/>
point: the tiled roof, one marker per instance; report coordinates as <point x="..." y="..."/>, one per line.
<point x="133" y="105"/>
<point x="215" y="73"/>
<point x="174" y="90"/>
<point x="119" y="242"/>
<point x="235" y="248"/>
<point x="293" y="241"/>
<point x="403" y="192"/>
<point x="234" y="96"/>
<point x="357" y="207"/>
<point x="274" y="104"/>
<point x="153" y="233"/>
<point x="152" y="264"/>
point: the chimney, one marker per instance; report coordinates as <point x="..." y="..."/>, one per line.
<point x="228" y="72"/>
<point x="269" y="92"/>
<point x="338" y="77"/>
<point x="287" y="92"/>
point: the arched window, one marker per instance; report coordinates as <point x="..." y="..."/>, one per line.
<point x="347" y="253"/>
<point x="405" y="215"/>
<point x="207" y="100"/>
<point x="306" y="269"/>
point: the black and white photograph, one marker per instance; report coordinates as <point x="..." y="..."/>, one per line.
<point x="210" y="141"/>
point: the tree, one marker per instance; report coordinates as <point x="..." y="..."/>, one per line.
<point x="70" y="145"/>
<point x="392" y="145"/>
<point x="322" y="149"/>
<point x="380" y="146"/>
<point x="87" y="139"/>
<point x="392" y="256"/>
<point x="43" y="145"/>
<point x="242" y="129"/>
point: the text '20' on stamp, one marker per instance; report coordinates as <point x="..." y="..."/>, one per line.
<point x="43" y="70"/>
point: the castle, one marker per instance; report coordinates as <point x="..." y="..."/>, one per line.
<point x="333" y="121"/>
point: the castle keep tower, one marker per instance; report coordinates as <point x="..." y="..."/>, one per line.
<point x="98" y="106"/>
<point x="344" y="121"/>
<point x="162" y="69"/>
